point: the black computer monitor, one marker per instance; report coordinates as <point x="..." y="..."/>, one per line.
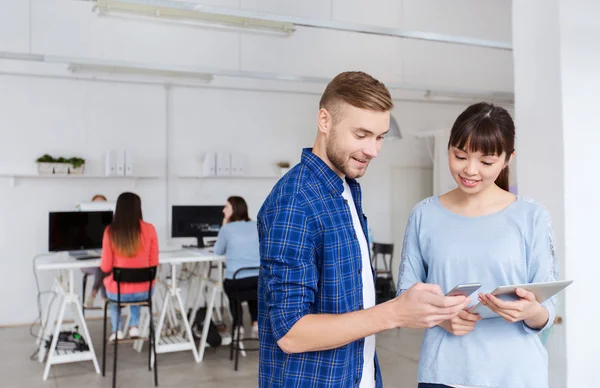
<point x="196" y="221"/>
<point x="70" y="231"/>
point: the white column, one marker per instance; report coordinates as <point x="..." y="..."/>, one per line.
<point x="580" y="69"/>
<point x="557" y="89"/>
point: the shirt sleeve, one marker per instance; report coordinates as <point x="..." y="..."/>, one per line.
<point x="542" y="263"/>
<point x="412" y="266"/>
<point x="221" y="244"/>
<point x="153" y="248"/>
<point x="107" y="259"/>
<point x="288" y="261"/>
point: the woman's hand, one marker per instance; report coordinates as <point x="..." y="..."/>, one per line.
<point x="525" y="309"/>
<point x="462" y="324"/>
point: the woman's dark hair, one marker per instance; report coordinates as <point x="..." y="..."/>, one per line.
<point x="125" y="227"/>
<point x="488" y="129"/>
<point x="240" y="209"/>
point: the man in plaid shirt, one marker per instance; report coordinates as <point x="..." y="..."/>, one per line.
<point x="317" y="312"/>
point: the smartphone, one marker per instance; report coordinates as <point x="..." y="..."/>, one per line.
<point x="464" y="289"/>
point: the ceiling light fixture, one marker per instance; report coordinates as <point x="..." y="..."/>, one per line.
<point x="177" y="11"/>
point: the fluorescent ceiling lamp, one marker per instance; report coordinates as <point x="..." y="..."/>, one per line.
<point x="171" y="10"/>
<point x="138" y="71"/>
<point x="287" y="23"/>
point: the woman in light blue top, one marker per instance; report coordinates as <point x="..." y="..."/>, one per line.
<point x="238" y="241"/>
<point x="481" y="233"/>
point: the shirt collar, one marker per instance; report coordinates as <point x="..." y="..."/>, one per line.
<point x="325" y="174"/>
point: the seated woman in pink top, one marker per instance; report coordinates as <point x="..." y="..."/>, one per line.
<point x="128" y="242"/>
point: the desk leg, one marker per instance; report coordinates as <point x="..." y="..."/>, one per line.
<point x="49" y="320"/>
<point x="186" y="323"/>
<point x="197" y="300"/>
<point x="203" y="288"/>
<point x="222" y="291"/>
<point x="86" y="333"/>
<point x="161" y="320"/>
<point x="69" y="298"/>
<point x="145" y="330"/>
<point x="46" y="313"/>
<point x="61" y="315"/>
<point x="172" y="300"/>
<point x="164" y="291"/>
<point x="207" y="319"/>
<point x="191" y="268"/>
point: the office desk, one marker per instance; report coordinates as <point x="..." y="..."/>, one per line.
<point x="64" y="288"/>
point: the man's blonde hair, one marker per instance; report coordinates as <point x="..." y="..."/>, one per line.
<point x="357" y="89"/>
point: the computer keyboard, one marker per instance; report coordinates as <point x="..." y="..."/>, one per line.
<point x="87" y="257"/>
<point x="85" y="254"/>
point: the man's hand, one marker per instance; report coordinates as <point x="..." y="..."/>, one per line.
<point x="422" y="305"/>
<point x="525" y="309"/>
<point x="425" y="306"/>
<point x="462" y="324"/>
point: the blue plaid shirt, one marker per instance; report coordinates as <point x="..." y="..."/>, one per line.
<point x="310" y="264"/>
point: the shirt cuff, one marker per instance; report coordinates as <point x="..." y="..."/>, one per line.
<point x="549" y="306"/>
<point x="282" y="322"/>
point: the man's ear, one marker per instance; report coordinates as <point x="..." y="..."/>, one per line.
<point x="324" y="121"/>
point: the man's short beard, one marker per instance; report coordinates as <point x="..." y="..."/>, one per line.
<point x="333" y="154"/>
<point x="337" y="157"/>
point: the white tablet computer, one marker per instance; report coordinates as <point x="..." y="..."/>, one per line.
<point x="542" y="291"/>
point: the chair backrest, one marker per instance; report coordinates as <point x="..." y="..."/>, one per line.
<point x="245" y="294"/>
<point x="387" y="251"/>
<point x="384" y="249"/>
<point x="134" y="275"/>
<point x="245" y="269"/>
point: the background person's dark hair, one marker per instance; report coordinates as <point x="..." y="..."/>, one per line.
<point x="125" y="227"/>
<point x="240" y="209"/>
<point x="488" y="129"/>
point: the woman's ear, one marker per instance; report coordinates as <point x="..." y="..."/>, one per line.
<point x="512" y="155"/>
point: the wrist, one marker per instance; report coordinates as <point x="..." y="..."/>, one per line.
<point x="538" y="318"/>
<point x="390" y="314"/>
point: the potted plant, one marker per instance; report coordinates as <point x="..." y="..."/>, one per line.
<point x="50" y="165"/>
<point x="284" y="167"/>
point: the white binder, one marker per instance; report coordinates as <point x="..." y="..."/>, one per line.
<point x="110" y="163"/>
<point x="223" y="168"/>
<point x="120" y="163"/>
<point x="128" y="163"/>
<point x="236" y="164"/>
<point x="209" y="166"/>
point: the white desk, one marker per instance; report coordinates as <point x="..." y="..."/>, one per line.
<point x="64" y="288"/>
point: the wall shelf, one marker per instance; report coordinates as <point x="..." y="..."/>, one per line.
<point x="13" y="178"/>
<point x="229" y="177"/>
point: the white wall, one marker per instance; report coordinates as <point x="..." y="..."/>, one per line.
<point x="85" y="118"/>
<point x="580" y="61"/>
<point x="556" y="83"/>
<point x="539" y="121"/>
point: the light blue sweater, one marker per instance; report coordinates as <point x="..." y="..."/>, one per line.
<point x="513" y="246"/>
<point x="238" y="241"/>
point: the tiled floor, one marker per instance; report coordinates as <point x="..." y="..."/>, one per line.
<point x="398" y="352"/>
